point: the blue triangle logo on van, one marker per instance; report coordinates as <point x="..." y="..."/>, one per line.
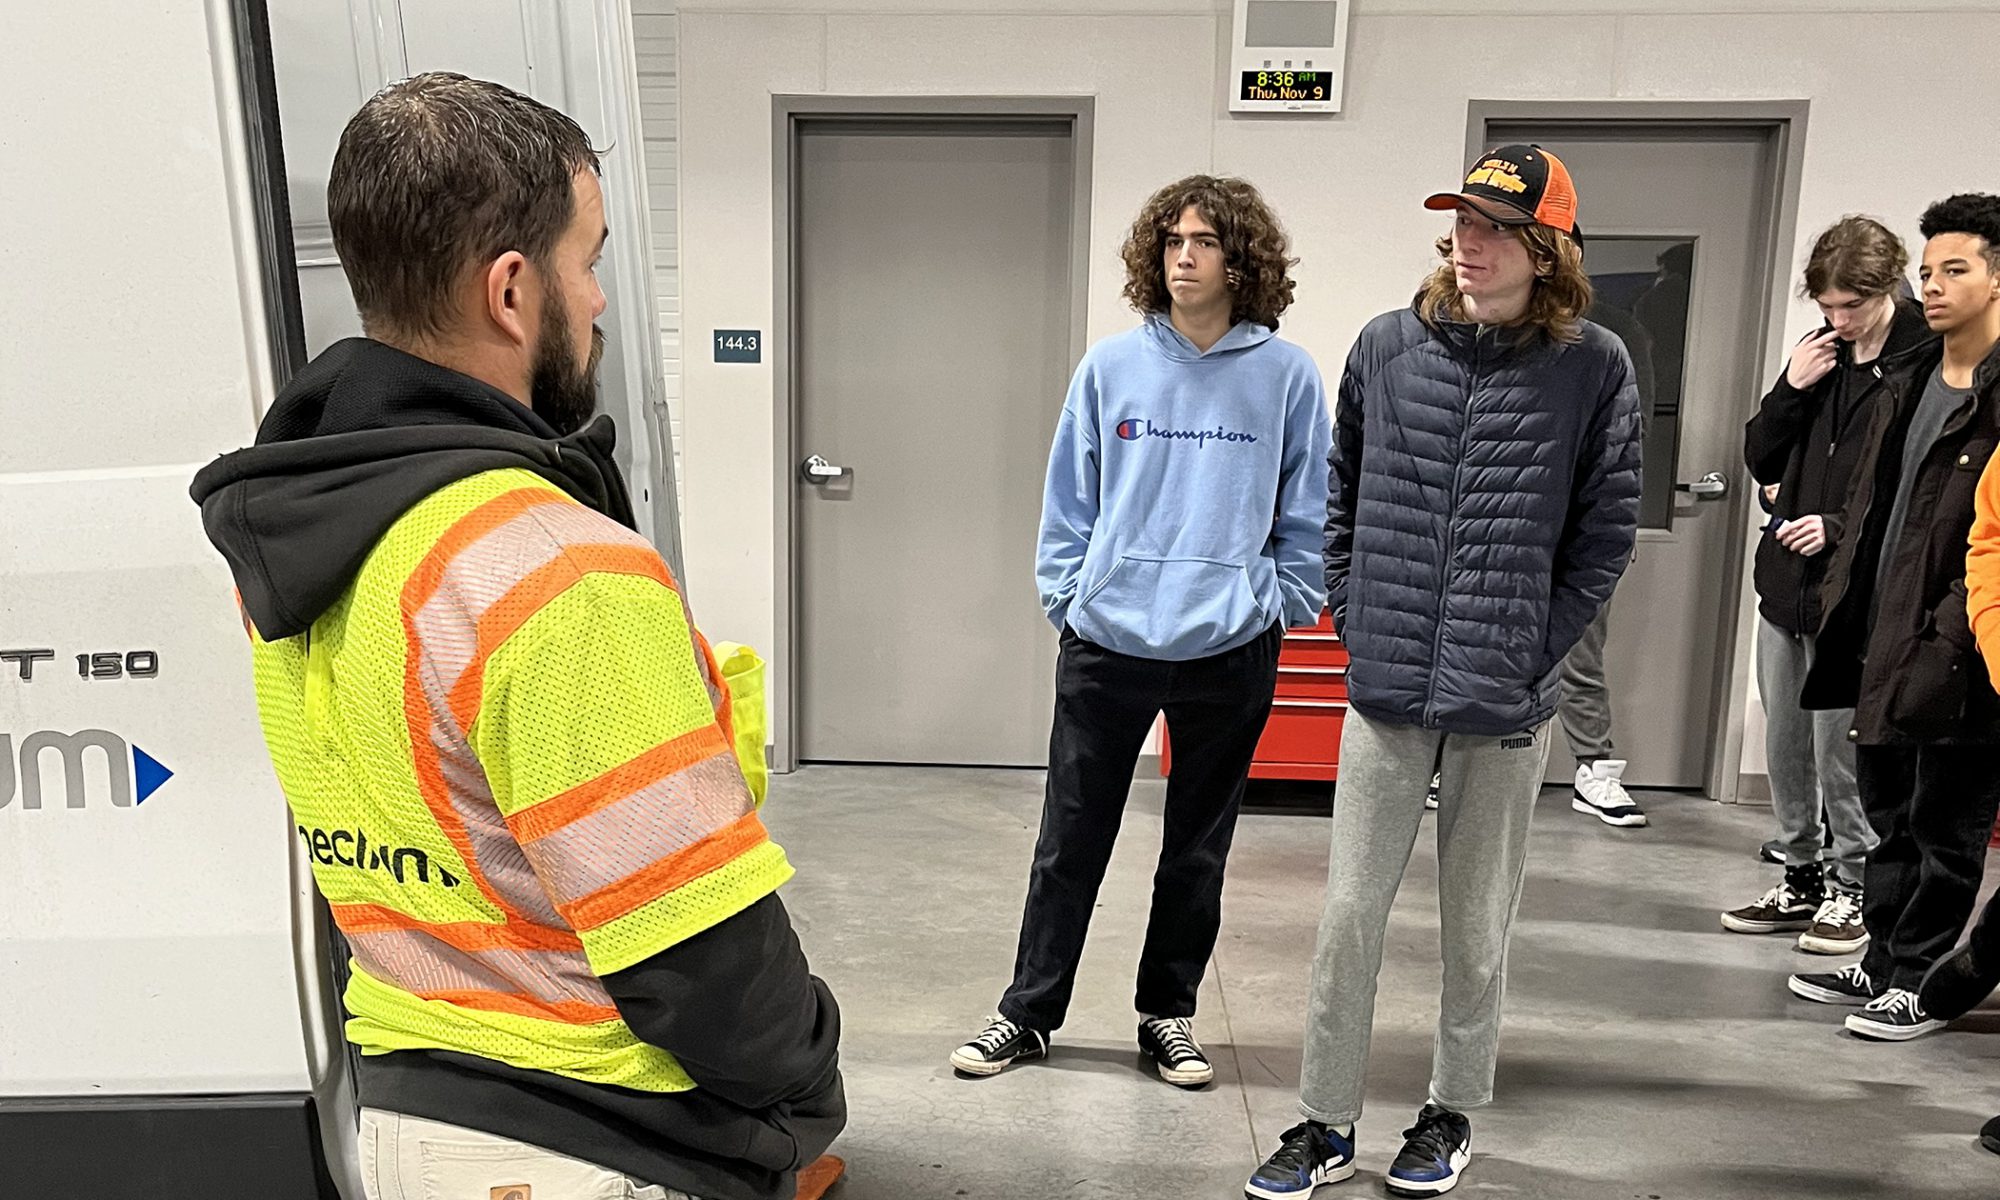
<point x="148" y="774"/>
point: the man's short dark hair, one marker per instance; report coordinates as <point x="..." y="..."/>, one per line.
<point x="436" y="174"/>
<point x="1975" y="213"/>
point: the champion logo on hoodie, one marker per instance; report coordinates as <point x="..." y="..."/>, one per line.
<point x="1134" y="428"/>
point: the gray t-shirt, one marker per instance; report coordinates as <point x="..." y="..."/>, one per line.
<point x="1940" y="400"/>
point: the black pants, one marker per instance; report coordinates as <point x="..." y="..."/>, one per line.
<point x="1933" y="808"/>
<point x="1105" y="705"/>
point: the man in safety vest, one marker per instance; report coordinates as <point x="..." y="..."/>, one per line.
<point x="507" y="750"/>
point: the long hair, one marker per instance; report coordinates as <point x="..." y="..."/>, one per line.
<point x="1254" y="248"/>
<point x="1561" y="295"/>
<point x="1855" y="254"/>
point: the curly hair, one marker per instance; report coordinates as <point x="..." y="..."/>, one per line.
<point x="1856" y="254"/>
<point x="1254" y="248"/>
<point x="1561" y="295"/>
<point x="1975" y="213"/>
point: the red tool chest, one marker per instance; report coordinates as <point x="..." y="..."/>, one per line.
<point x="1302" y="738"/>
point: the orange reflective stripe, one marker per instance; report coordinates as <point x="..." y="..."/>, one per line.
<point x="526" y="598"/>
<point x="644" y="886"/>
<point x="469" y="936"/>
<point x="628" y="835"/>
<point x="417" y="708"/>
<point x="533" y="824"/>
<point x="568" y="1012"/>
<point x="464" y="532"/>
<point x="548" y="984"/>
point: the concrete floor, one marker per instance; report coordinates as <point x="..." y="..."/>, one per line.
<point x="1648" y="1055"/>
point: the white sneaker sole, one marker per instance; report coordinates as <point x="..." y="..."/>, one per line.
<point x="1339" y="1174"/>
<point x="1820" y="945"/>
<point x="1736" y="924"/>
<point x="1187" y="1079"/>
<point x="1631" y="821"/>
<point x="1861" y="1027"/>
<point x="1459" y="1162"/>
<point x="1820" y="995"/>
<point x="960" y="1061"/>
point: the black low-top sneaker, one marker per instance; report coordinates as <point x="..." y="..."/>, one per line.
<point x="1169" y="1042"/>
<point x="1957" y="983"/>
<point x="1312" y="1155"/>
<point x="1435" y="1153"/>
<point x="1002" y="1043"/>
<point x="1989" y="1137"/>
<point x="1894" y="1016"/>
<point x="1837" y="927"/>
<point x="1850" y="986"/>
<point x="1787" y="908"/>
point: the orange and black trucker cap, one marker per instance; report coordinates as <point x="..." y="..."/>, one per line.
<point x="1516" y="185"/>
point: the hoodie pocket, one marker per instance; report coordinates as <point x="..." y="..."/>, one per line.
<point x="1170" y="607"/>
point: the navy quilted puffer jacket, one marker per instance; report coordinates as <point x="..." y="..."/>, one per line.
<point x="1483" y="501"/>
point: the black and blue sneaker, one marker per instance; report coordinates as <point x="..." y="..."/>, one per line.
<point x="1434" y="1155"/>
<point x="1312" y="1155"/>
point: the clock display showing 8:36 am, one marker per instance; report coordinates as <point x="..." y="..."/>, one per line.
<point x="1286" y="85"/>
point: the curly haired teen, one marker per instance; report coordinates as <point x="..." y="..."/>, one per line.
<point x="1180" y="537"/>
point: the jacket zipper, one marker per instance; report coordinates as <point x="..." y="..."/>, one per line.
<point x="1450" y="529"/>
<point x="1832" y="449"/>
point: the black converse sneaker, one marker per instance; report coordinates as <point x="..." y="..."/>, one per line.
<point x="1836" y="927"/>
<point x="1787" y="908"/>
<point x="1894" y="1016"/>
<point x="1169" y="1042"/>
<point x="1850" y="985"/>
<point x="1002" y="1043"/>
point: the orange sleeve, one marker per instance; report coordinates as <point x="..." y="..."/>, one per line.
<point x="1982" y="568"/>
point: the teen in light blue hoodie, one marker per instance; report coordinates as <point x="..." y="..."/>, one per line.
<point x="1186" y="496"/>
<point x="1181" y="535"/>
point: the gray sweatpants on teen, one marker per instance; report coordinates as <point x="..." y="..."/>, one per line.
<point x="1585" y="711"/>
<point x="1811" y="764"/>
<point x="1486" y="798"/>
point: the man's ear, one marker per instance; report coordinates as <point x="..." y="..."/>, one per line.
<point x="507" y="297"/>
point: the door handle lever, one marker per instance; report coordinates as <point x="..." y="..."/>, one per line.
<point x="818" y="470"/>
<point x="1712" y="486"/>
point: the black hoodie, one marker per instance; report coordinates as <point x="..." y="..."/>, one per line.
<point x="362" y="435"/>
<point x="1808" y="443"/>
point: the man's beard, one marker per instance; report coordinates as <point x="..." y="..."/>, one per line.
<point x="562" y="391"/>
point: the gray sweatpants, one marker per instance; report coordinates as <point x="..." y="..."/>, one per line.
<point x="1811" y="764"/>
<point x="1486" y="797"/>
<point x="1585" y="711"/>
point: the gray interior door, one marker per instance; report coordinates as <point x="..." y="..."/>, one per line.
<point x="933" y="344"/>
<point x="1676" y="220"/>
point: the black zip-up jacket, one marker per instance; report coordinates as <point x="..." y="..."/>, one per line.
<point x="1914" y="676"/>
<point x="1808" y="443"/>
<point x="363" y="434"/>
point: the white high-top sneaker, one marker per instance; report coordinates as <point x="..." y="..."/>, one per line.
<point x="1600" y="791"/>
